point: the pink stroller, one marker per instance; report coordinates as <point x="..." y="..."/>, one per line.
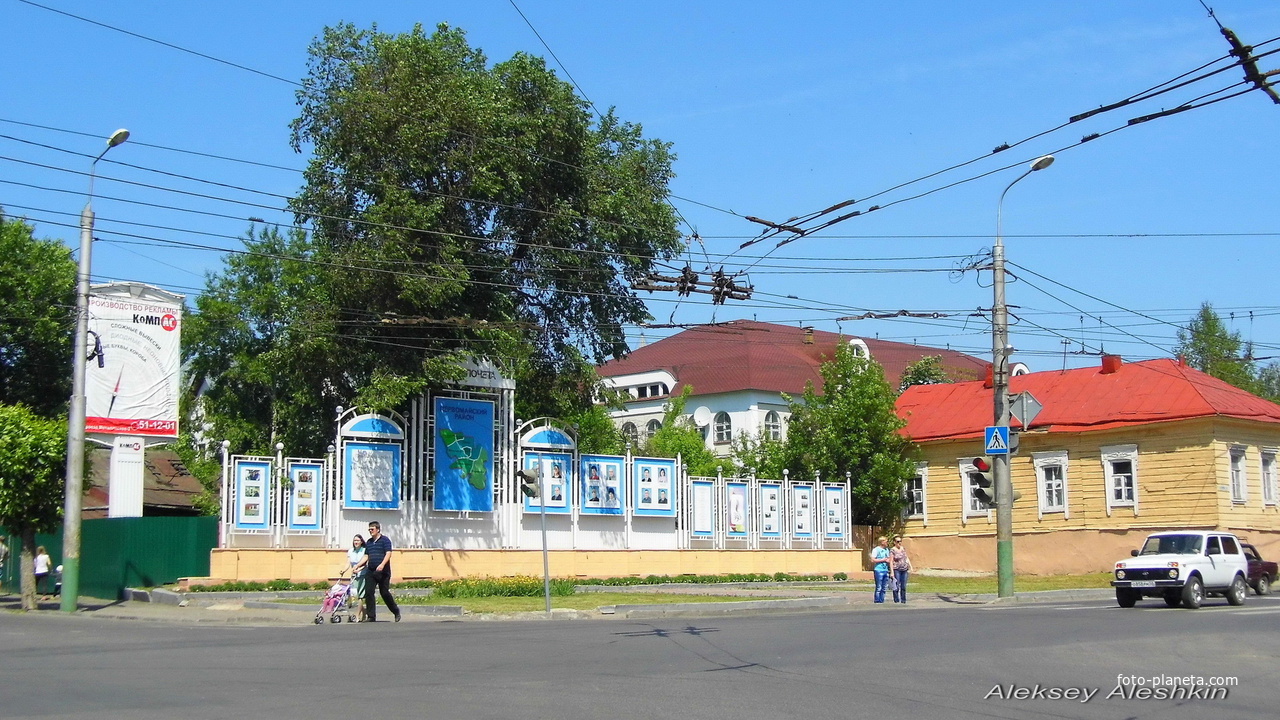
<point x="339" y="599"/>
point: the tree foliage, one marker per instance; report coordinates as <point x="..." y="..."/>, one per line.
<point x="37" y="292"/>
<point x="455" y="209"/>
<point x="679" y="436"/>
<point x="759" y="454"/>
<point x="927" y="370"/>
<point x="853" y="428"/>
<point x="33" y="456"/>
<point x="1207" y="345"/>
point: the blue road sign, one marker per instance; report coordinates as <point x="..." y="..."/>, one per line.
<point x="996" y="440"/>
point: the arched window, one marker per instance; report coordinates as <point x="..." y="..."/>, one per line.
<point x="724" y="428"/>
<point x="630" y="433"/>
<point x="772" y="425"/>
<point x="652" y="428"/>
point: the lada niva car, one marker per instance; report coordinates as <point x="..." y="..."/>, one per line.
<point x="1182" y="568"/>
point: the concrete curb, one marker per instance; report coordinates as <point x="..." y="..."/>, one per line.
<point x="428" y="610"/>
<point x="722" y="608"/>
<point x="1038" y="596"/>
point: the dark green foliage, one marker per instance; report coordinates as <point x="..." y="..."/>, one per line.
<point x="1208" y="345"/>
<point x="679" y="436"/>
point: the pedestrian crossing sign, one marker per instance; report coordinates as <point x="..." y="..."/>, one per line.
<point x="996" y="440"/>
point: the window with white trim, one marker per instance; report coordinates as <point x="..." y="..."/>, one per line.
<point x="916" y="508"/>
<point x="1120" y="468"/>
<point x="1239" y="477"/>
<point x="724" y="428"/>
<point x="630" y="433"/>
<point x="652" y="428"/>
<point x="1051" y="481"/>
<point x="973" y="507"/>
<point x="773" y="425"/>
<point x="1268" y="476"/>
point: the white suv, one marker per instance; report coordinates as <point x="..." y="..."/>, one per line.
<point x="1183" y="567"/>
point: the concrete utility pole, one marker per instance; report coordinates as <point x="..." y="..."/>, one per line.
<point x="76" y="417"/>
<point x="1000" y="350"/>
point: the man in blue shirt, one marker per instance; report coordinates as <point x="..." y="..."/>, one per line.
<point x="378" y="562"/>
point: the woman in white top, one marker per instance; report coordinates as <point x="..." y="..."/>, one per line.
<point x="42" y="567"/>
<point x="358" y="567"/>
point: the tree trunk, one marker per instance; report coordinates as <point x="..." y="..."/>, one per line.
<point x="28" y="569"/>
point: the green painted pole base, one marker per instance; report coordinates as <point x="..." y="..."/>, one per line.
<point x="70" y="584"/>
<point x="1004" y="567"/>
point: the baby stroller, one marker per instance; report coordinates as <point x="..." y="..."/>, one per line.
<point x="339" y="599"/>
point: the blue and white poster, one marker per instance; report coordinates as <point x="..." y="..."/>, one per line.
<point x="738" y="509"/>
<point x="305" y="495"/>
<point x="770" y="510"/>
<point x="654" y="486"/>
<point x="833" y="511"/>
<point x="372" y="475"/>
<point x="703" y="508"/>
<point x="601" y="484"/>
<point x="555" y="473"/>
<point x="253" y="494"/>
<point x="802" y="511"/>
<point x="463" y="470"/>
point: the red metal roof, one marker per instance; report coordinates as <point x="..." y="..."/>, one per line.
<point x="751" y="355"/>
<point x="1084" y="399"/>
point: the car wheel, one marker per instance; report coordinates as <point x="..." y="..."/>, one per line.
<point x="1126" y="598"/>
<point x="1193" y="593"/>
<point x="1238" y="590"/>
<point x="1172" y="598"/>
<point x="1263" y="586"/>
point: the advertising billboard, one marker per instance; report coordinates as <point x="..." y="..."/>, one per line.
<point x="131" y="380"/>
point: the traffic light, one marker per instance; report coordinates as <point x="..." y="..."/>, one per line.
<point x="983" y="484"/>
<point x="528" y="483"/>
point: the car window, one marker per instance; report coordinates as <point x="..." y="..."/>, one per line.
<point x="1250" y="553"/>
<point x="1215" y="547"/>
<point x="1172" y="545"/>
<point x="1229" y="545"/>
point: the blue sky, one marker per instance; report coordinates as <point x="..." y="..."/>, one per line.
<point x="775" y="110"/>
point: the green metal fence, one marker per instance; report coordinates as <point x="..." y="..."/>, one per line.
<point x="117" y="553"/>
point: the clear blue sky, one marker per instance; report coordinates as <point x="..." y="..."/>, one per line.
<point x="775" y="110"/>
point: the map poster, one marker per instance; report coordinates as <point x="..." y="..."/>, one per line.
<point x="770" y="510"/>
<point x="253" y="494"/>
<point x="802" y="511"/>
<point x="601" y="484"/>
<point x="654" y="486"/>
<point x="305" y="485"/>
<point x="463" y="467"/>
<point x="372" y="475"/>
<point x="556" y="486"/>
<point x="703" y="503"/>
<point x="738" y="509"/>
<point x="833" y="511"/>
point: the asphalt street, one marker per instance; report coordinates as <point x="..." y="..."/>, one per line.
<point x="933" y="660"/>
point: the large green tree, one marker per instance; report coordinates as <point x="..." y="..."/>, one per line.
<point x="927" y="370"/>
<point x="33" y="456"/>
<point x="453" y="208"/>
<point x="852" y="428"/>
<point x="1208" y="345"/>
<point x="37" y="294"/>
<point x="679" y="436"/>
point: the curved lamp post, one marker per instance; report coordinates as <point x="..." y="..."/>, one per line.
<point x="1000" y="385"/>
<point x="75" y="421"/>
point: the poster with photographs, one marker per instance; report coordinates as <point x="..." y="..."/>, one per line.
<point x="770" y="510"/>
<point x="557" y="481"/>
<point x="253" y="494"/>
<point x="372" y="475"/>
<point x="601" y="484"/>
<point x="833" y="511"/>
<point x="305" y="483"/>
<point x="654" y="480"/>
<point x="738" y="509"/>
<point x="802" y="511"/>
<point x="703" y="508"/>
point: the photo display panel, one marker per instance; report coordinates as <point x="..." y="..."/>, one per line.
<point x="306" y="483"/>
<point x="654" y="486"/>
<point x="770" y="510"/>
<point x="556" y="481"/>
<point x="253" y="494"/>
<point x="601" y="484"/>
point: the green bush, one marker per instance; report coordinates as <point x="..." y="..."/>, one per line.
<point x="518" y="586"/>
<point x="840" y="576"/>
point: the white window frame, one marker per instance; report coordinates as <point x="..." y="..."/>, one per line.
<point x="773" y="425"/>
<point x="631" y="433"/>
<point x="1238" y="469"/>
<point x="1043" y="461"/>
<point x="1120" y="453"/>
<point x="967" y="501"/>
<point x="723" y="426"/>
<point x="651" y="428"/>
<point x="922" y="474"/>
<point x="1267" y="473"/>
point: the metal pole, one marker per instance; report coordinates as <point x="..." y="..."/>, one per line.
<point x="1000" y="385"/>
<point x="546" y="564"/>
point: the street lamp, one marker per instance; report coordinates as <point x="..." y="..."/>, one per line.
<point x="75" y="422"/>
<point x="1000" y="384"/>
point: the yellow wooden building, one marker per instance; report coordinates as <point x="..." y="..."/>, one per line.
<point x="1118" y="451"/>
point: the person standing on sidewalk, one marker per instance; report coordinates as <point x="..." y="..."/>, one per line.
<point x="880" y="568"/>
<point x="378" y="564"/>
<point x="42" y="566"/>
<point x="900" y="565"/>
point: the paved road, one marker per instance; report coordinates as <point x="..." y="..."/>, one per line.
<point x="883" y="662"/>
